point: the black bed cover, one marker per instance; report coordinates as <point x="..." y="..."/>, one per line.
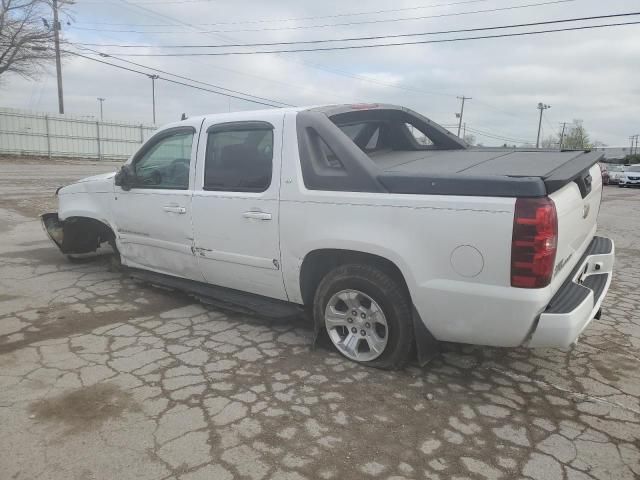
<point x="498" y="172"/>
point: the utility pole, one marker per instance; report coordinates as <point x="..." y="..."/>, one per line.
<point x="564" y="126"/>
<point x="463" y="98"/>
<point x="542" y="107"/>
<point x="56" y="30"/>
<point x="100" y="99"/>
<point x="153" y="94"/>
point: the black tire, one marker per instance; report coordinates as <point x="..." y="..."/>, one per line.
<point x="392" y="297"/>
<point x="115" y="262"/>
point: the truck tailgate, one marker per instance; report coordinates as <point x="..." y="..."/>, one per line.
<point x="577" y="205"/>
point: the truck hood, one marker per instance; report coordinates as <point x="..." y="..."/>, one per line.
<point x="102" y="183"/>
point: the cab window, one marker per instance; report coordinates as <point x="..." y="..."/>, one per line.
<point x="166" y="163"/>
<point x="239" y="159"/>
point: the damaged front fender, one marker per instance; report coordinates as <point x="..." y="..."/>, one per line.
<point x="76" y="235"/>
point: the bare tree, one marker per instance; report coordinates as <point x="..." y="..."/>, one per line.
<point x="470" y="139"/>
<point x="577" y="137"/>
<point x="550" y="141"/>
<point x="26" y="36"/>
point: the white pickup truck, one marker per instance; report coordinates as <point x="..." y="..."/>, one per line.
<point x="390" y="230"/>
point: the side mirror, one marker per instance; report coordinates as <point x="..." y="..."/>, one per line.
<point x="125" y="178"/>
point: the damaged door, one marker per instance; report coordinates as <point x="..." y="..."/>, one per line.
<point x="153" y="217"/>
<point x="236" y="207"/>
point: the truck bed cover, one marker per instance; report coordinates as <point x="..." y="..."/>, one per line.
<point x="482" y="171"/>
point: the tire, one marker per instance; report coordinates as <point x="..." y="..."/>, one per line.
<point x="369" y="290"/>
<point x="115" y="261"/>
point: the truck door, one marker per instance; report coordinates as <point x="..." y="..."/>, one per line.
<point x="236" y="207"/>
<point x="153" y="218"/>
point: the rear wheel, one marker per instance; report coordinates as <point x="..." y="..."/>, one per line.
<point x="367" y="315"/>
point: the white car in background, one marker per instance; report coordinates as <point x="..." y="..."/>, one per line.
<point x="616" y="172"/>
<point x="630" y="177"/>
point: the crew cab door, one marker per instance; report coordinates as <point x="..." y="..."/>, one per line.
<point x="235" y="205"/>
<point x="153" y="218"/>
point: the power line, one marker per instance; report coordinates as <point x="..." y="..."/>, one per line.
<point x="171" y="80"/>
<point x="363" y="22"/>
<point x="295" y="19"/>
<point x="188" y="78"/>
<point x="154" y="2"/>
<point x="306" y="64"/>
<point x="357" y="47"/>
<point x="497" y="136"/>
<point x="148" y="11"/>
<point x="373" y="37"/>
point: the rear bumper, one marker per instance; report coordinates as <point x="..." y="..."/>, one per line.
<point x="579" y="299"/>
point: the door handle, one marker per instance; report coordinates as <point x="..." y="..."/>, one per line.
<point x="257" y="215"/>
<point x="174" y="209"/>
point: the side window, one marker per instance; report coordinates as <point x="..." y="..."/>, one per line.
<point x="239" y="160"/>
<point x="166" y="164"/>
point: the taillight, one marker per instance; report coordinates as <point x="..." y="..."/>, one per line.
<point x="534" y="242"/>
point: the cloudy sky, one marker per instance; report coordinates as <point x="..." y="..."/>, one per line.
<point x="589" y="74"/>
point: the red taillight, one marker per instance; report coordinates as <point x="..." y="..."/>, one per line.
<point x="534" y="243"/>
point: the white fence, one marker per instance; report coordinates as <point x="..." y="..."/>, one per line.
<point x="53" y="135"/>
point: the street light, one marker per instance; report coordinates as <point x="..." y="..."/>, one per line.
<point x="100" y="99"/>
<point x="542" y="107"/>
<point x="153" y="94"/>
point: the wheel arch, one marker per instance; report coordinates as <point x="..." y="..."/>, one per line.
<point x="317" y="263"/>
<point x="78" y="234"/>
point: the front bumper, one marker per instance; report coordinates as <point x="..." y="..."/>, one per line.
<point x="54" y="229"/>
<point x="579" y="299"/>
<point x="630" y="182"/>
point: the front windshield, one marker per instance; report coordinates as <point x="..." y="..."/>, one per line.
<point x="614" y="168"/>
<point x="635" y="168"/>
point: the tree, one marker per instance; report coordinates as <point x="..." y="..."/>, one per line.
<point x="550" y="141"/>
<point x="576" y="137"/>
<point x="26" y="36"/>
<point x="632" y="158"/>
<point x="470" y="139"/>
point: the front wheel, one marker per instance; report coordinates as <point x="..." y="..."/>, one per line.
<point x="367" y="315"/>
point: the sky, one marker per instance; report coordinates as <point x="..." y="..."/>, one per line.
<point x="591" y="75"/>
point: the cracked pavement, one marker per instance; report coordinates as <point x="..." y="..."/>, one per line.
<point x="103" y="377"/>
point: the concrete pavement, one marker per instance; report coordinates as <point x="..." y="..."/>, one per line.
<point x="102" y="377"/>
